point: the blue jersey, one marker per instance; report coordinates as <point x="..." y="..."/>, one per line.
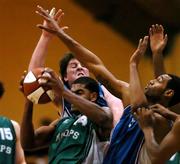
<point x="126" y="141"/>
<point x="100" y="101"/>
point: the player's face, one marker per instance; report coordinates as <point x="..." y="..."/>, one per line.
<point x="75" y="70"/>
<point x="80" y="90"/>
<point x="157" y="86"/>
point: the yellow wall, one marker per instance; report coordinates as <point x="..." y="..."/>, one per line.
<point x="19" y="35"/>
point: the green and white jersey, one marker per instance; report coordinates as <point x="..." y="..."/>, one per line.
<point x="7" y="141"/>
<point x="175" y="159"/>
<point x="75" y="142"/>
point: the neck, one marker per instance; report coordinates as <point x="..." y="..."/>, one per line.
<point x="165" y="103"/>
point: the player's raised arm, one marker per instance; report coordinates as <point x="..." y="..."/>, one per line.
<point x="158" y="41"/>
<point x="39" y="55"/>
<point x="30" y="138"/>
<point x="137" y="98"/>
<point x="90" y="60"/>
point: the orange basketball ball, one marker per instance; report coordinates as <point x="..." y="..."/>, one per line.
<point x="33" y="89"/>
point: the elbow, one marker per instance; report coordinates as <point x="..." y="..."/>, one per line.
<point x="106" y="121"/>
<point x="27" y="146"/>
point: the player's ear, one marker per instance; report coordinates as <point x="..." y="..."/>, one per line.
<point x="93" y="96"/>
<point x="169" y="93"/>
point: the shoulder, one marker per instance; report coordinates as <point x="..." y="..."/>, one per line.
<point x="16" y="127"/>
<point x="176" y="126"/>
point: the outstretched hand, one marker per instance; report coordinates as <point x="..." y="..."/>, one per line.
<point x="52" y="20"/>
<point x="158" y="39"/>
<point x="140" y="51"/>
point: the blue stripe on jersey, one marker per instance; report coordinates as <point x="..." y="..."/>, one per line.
<point x="100" y="101"/>
<point x="126" y="140"/>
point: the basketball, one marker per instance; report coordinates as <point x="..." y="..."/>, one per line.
<point x="33" y="88"/>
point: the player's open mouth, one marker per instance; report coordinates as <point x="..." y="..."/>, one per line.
<point x="80" y="74"/>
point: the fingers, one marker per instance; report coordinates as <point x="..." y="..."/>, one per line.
<point x="165" y="39"/>
<point x="51" y="72"/>
<point x="158" y="108"/>
<point x="140" y="112"/>
<point x="143" y="41"/>
<point x="143" y="44"/>
<point x="156" y="29"/>
<point x="45" y="16"/>
<point x="58" y="16"/>
<point x="164" y="112"/>
<point x="48" y="75"/>
<point x="64" y="28"/>
<point x="42" y="11"/>
<point x="22" y="80"/>
<point x="52" y="12"/>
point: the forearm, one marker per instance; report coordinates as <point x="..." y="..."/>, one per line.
<point x="158" y="64"/>
<point x="152" y="146"/>
<point x="81" y="53"/>
<point x="95" y="65"/>
<point x="94" y="112"/>
<point x="137" y="97"/>
<point x="40" y="53"/>
<point x="27" y="128"/>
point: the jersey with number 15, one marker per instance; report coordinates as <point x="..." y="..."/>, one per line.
<point x="7" y="141"/>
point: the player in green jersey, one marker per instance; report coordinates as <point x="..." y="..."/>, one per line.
<point x="80" y="138"/>
<point x="10" y="148"/>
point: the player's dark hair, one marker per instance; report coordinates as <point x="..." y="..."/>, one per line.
<point x="90" y="83"/>
<point x="174" y="84"/>
<point x="63" y="63"/>
<point x="1" y="89"/>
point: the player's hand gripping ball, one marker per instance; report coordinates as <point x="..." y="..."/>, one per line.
<point x="33" y="88"/>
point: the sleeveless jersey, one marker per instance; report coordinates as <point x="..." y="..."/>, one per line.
<point x="72" y="142"/>
<point x="127" y="139"/>
<point x="100" y="101"/>
<point x="175" y="159"/>
<point x="7" y="141"/>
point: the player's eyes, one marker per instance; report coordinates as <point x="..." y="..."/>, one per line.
<point x="74" y="65"/>
<point x="79" y="93"/>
